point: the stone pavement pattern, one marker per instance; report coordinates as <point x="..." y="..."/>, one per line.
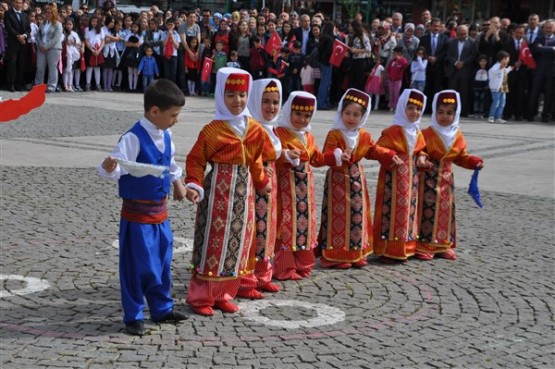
<point x="492" y="308"/>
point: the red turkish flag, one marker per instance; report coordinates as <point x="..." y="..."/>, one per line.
<point x="206" y="69"/>
<point x="273" y="45"/>
<point x="339" y="51"/>
<point x="526" y="57"/>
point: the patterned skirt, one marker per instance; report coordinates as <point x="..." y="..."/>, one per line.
<point x="346" y="222"/>
<point x="437" y="209"/>
<point x="395" y="218"/>
<point x="297" y="209"/>
<point x="224" y="227"/>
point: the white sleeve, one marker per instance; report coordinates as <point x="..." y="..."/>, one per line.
<point x="175" y="170"/>
<point x="128" y="149"/>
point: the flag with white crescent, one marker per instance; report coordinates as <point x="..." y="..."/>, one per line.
<point x="526" y="57"/>
<point x="206" y="69"/>
<point x="339" y="51"/>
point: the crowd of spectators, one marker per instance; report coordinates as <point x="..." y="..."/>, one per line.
<point x="67" y="47"/>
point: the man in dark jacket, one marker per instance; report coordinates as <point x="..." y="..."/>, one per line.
<point x="18" y="29"/>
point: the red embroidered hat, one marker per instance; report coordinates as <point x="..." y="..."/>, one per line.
<point x="447" y="98"/>
<point x="357" y="96"/>
<point x="416" y="98"/>
<point x="271" y="87"/>
<point x="237" y="82"/>
<point x="302" y="103"/>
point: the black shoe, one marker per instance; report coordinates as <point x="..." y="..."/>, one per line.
<point x="136" y="328"/>
<point x="173" y="316"/>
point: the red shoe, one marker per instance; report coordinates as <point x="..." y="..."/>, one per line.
<point x="227" y="307"/>
<point x="449" y="255"/>
<point x="252" y="294"/>
<point x="203" y="310"/>
<point x="343" y="266"/>
<point x="303" y="274"/>
<point x="360" y="263"/>
<point x="270" y="287"/>
<point x="423" y="256"/>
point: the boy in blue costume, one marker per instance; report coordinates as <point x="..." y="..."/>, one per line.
<point x="145" y="236"/>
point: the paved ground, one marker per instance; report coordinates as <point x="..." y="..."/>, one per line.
<point x="59" y="294"/>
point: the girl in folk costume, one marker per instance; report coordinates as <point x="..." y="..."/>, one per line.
<point x="445" y="146"/>
<point x="346" y="223"/>
<point x="395" y="218"/>
<point x="296" y="236"/>
<point x="224" y="227"/>
<point x="264" y="105"/>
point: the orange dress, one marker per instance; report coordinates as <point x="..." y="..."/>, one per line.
<point x="296" y="226"/>
<point x="224" y="226"/>
<point x="436" y="205"/>
<point x="395" y="217"/>
<point x="346" y="223"/>
<point x="262" y="251"/>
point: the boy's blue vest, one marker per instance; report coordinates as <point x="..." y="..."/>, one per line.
<point x="147" y="187"/>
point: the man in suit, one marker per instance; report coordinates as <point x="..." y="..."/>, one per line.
<point x="435" y="44"/>
<point x="460" y="66"/>
<point x="543" y="50"/>
<point x="18" y="29"/>
<point x="518" y="78"/>
<point x="303" y="33"/>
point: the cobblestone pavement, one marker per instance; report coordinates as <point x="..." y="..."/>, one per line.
<point x="59" y="294"/>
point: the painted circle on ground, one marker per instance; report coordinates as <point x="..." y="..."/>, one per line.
<point x="32" y="285"/>
<point x="326" y="315"/>
<point x="181" y="245"/>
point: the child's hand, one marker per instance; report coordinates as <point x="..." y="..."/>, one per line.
<point x="192" y="195"/>
<point x="346" y="155"/>
<point x="294" y="154"/>
<point x="266" y="190"/>
<point x="269" y="171"/>
<point x="179" y="191"/>
<point x="109" y="164"/>
<point x="480" y="165"/>
<point x="423" y="163"/>
<point x="396" y="160"/>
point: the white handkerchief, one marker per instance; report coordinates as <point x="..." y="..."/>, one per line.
<point x="141" y="169"/>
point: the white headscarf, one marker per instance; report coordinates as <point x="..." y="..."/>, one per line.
<point x="285" y="120"/>
<point x="447" y="134"/>
<point x="238" y="122"/>
<point x="400" y="117"/>
<point x="351" y="135"/>
<point x="255" y="108"/>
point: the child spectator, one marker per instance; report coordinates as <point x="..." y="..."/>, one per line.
<point x="220" y="60"/>
<point x="72" y="45"/>
<point x="296" y="63"/>
<point x="480" y="86"/>
<point x="148" y="68"/>
<point x="205" y="52"/>
<point x="395" y="70"/>
<point x="307" y="78"/>
<point x="170" y="43"/>
<point x="264" y="105"/>
<point x="132" y="56"/>
<point x="259" y="59"/>
<point x="345" y="236"/>
<point x="233" y="62"/>
<point x="297" y="231"/>
<point x="445" y="146"/>
<point x="192" y="65"/>
<point x="499" y="86"/>
<point x="145" y="235"/>
<point x="280" y="69"/>
<point x="375" y="82"/>
<point x="395" y="222"/>
<point x="230" y="144"/>
<point x="418" y="69"/>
